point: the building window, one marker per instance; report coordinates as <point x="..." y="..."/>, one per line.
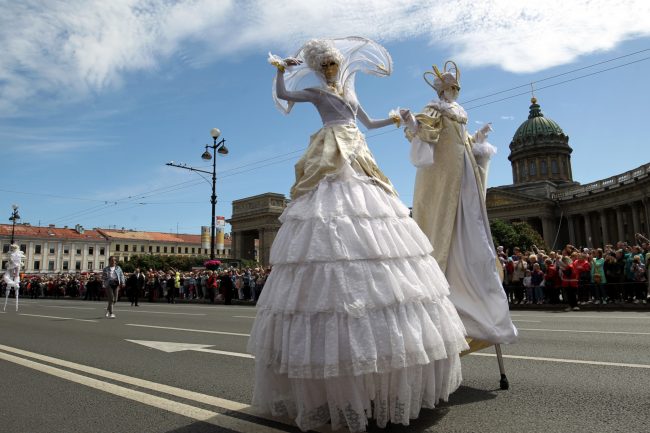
<point x="554" y="166"/>
<point x="66" y="250"/>
<point x="65" y="265"/>
<point x="101" y="265"/>
<point x="135" y="248"/>
<point x="37" y="265"/>
<point x="193" y="250"/>
<point x="543" y="168"/>
<point x="164" y="249"/>
<point x="91" y="250"/>
<point x="37" y="249"/>
<point x="78" y="251"/>
<point x="101" y="251"/>
<point x="172" y="250"/>
<point x="126" y="248"/>
<point x="150" y="249"/>
<point x="533" y="168"/>
<point x="117" y="247"/>
<point x="23" y="248"/>
<point x="158" y="248"/>
<point x="4" y="264"/>
<point x="51" y="250"/>
<point x="522" y="170"/>
<point x="142" y="248"/>
<point x="5" y="248"/>
<point x="77" y="266"/>
<point x="50" y="265"/>
<point x="90" y="266"/>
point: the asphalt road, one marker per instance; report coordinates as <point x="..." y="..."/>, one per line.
<point x="183" y="368"/>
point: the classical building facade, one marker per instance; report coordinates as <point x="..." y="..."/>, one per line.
<point x="544" y="194"/>
<point x="57" y="250"/>
<point x="254" y="225"/>
<point x="125" y="244"/>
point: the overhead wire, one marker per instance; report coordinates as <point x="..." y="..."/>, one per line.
<point x="256" y="165"/>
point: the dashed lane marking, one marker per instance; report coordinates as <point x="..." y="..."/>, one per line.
<point x="585" y="332"/>
<point x="566" y="361"/>
<point x="203" y="331"/>
<point x="244" y="317"/>
<point x="56" y="317"/>
<point x="561" y="315"/>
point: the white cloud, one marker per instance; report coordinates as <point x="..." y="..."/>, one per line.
<point x="68" y="49"/>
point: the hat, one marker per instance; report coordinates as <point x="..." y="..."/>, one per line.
<point x="446" y="79"/>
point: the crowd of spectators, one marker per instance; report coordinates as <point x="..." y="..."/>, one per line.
<point x="578" y="276"/>
<point x="574" y="276"/>
<point x="170" y="285"/>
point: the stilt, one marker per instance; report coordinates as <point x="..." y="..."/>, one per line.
<point x="504" y="380"/>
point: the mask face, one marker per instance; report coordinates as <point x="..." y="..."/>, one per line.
<point x="450" y="94"/>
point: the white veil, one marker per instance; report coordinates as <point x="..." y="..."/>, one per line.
<point x="359" y="55"/>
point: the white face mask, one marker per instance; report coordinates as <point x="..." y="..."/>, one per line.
<point x="450" y="94"/>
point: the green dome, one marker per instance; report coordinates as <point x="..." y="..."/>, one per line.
<point x="536" y="124"/>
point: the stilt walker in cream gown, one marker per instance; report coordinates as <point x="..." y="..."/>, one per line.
<point x="354" y="321"/>
<point x="449" y="206"/>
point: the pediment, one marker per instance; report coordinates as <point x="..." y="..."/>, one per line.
<point x="496" y="198"/>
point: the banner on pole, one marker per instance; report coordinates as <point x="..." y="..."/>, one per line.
<point x="205" y="237"/>
<point x="221" y="229"/>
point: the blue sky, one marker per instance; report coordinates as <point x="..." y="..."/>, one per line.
<point x="95" y="97"/>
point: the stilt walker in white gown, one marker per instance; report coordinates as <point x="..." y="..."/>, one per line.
<point x="354" y="321"/>
<point x="449" y="206"/>
<point x="12" y="275"/>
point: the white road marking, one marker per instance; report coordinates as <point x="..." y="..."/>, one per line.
<point x="245" y="317"/>
<point x="75" y="308"/>
<point x="170" y="347"/>
<point x="127" y="310"/>
<point x="204" y="331"/>
<point x="56" y="317"/>
<point x="566" y="361"/>
<point x="528" y="321"/>
<point x="574" y="316"/>
<point x="183" y="409"/>
<point x="585" y="332"/>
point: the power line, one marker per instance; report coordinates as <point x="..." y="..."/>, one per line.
<point x="556" y="76"/>
<point x="284" y="157"/>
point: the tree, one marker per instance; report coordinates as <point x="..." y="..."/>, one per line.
<point x="517" y="234"/>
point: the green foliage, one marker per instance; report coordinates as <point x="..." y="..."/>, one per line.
<point x="182" y="263"/>
<point x="517" y="234"/>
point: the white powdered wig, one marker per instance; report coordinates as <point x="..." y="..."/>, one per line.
<point x="318" y="51"/>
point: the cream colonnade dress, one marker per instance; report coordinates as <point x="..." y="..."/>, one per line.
<point x="354" y="321"/>
<point x="449" y="206"/>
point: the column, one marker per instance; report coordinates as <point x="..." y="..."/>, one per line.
<point x="646" y="209"/>
<point x="620" y="224"/>
<point x="636" y="226"/>
<point x="572" y="232"/>
<point x="588" y="234"/>
<point x="549" y="231"/>
<point x="603" y="225"/>
<point x="235" y="245"/>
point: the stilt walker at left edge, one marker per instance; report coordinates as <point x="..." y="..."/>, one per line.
<point x="12" y="274"/>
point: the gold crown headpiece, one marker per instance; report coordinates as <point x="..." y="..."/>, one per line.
<point x="436" y="73"/>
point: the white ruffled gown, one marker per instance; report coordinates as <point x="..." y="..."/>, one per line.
<point x="354" y="321"/>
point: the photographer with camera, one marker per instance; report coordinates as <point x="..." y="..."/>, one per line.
<point x="113" y="281"/>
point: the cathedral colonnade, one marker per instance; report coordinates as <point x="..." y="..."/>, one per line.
<point x="594" y="228"/>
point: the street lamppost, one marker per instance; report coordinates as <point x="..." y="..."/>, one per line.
<point x="220" y="148"/>
<point x="14" y="216"/>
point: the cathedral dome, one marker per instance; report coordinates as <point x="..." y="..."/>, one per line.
<point x="539" y="150"/>
<point x="537" y="125"/>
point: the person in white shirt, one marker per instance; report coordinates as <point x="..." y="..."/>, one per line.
<point x="113" y="281"/>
